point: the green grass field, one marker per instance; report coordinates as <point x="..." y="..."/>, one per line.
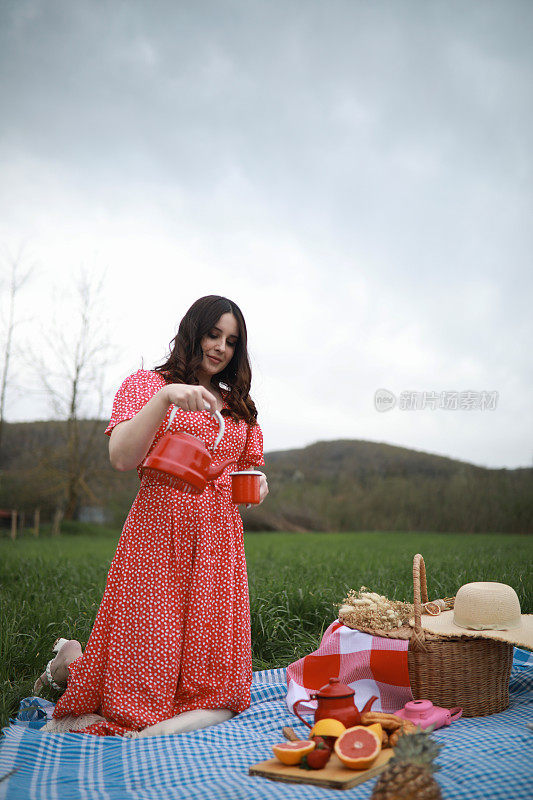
<point x="52" y="587"/>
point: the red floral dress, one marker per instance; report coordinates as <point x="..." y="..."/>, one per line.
<point x="173" y="630"/>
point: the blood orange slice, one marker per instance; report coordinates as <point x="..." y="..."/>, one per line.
<point x="291" y="753"/>
<point x="358" y="747"/>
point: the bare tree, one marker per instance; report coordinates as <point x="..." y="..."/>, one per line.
<point x="19" y="273"/>
<point x="72" y="372"/>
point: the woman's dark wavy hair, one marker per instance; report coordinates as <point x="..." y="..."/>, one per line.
<point x="186" y="356"/>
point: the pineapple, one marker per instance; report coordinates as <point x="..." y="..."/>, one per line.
<point x="408" y="775"/>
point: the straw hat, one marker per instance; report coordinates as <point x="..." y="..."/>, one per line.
<point x="487" y="611"/>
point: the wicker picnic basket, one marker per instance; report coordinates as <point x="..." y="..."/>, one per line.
<point x="462" y="671"/>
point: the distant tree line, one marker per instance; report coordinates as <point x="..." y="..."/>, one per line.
<point x="357" y="485"/>
<point x="329" y="486"/>
<point x="38" y="471"/>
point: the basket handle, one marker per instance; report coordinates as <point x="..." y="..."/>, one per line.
<point x="420" y="595"/>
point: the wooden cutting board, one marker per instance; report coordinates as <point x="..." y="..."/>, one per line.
<point x="334" y="775"/>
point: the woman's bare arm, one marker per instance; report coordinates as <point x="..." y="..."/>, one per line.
<point x="130" y="440"/>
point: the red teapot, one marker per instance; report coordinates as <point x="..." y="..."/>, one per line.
<point x="336" y="700"/>
<point x="182" y="461"/>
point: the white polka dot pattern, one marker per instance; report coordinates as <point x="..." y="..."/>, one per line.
<point x="173" y="630"/>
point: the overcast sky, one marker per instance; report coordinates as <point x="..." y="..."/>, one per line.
<point x="355" y="174"/>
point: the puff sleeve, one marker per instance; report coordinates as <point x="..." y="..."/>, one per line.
<point x="133" y="395"/>
<point x="252" y="455"/>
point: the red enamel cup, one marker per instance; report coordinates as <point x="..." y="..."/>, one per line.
<point x="245" y="487"/>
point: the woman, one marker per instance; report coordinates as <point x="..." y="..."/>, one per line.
<point x="172" y="634"/>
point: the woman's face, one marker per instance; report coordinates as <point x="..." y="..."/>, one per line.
<point x="218" y="345"/>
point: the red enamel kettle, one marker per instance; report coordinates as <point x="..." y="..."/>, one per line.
<point x="182" y="461"/>
<point x="336" y="700"/>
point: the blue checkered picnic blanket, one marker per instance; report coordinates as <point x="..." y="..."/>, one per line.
<point x="486" y="758"/>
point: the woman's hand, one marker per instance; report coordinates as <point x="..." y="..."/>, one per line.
<point x="263" y="488"/>
<point x="190" y="398"/>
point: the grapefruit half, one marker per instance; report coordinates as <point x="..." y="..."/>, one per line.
<point x="358" y="747"/>
<point x="291" y="753"/>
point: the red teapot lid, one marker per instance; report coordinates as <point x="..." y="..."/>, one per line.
<point x="334" y="688"/>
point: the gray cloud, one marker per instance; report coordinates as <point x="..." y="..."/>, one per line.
<point x="382" y="148"/>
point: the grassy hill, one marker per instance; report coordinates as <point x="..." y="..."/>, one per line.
<point x="359" y="485"/>
<point x="329" y="486"/>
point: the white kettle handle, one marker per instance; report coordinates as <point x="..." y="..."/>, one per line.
<point x="216" y="414"/>
<point x="221" y="428"/>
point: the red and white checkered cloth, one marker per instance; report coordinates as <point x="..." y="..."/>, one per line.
<point x="371" y="665"/>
